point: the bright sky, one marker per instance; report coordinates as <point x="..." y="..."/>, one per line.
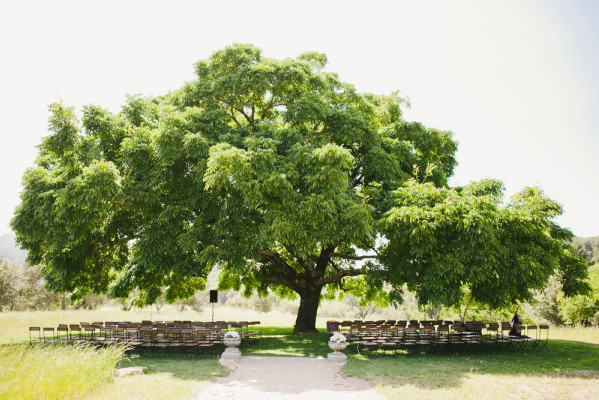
<point x="516" y="81"/>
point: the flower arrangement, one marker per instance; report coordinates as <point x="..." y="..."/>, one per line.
<point x="231" y="335"/>
<point x="338" y="338"/>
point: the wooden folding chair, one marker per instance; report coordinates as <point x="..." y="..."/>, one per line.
<point x="62" y="333"/>
<point x="35" y="331"/>
<point x="543" y="342"/>
<point x="48" y="335"/>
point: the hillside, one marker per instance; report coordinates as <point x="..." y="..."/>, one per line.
<point x="9" y="250"/>
<point x="590" y="246"/>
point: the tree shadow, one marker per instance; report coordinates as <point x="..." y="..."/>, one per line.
<point x="271" y="343"/>
<point x="433" y="370"/>
<point x="287" y="345"/>
<point x="186" y="369"/>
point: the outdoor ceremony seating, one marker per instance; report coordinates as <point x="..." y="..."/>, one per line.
<point x="152" y="338"/>
<point x="416" y="336"/>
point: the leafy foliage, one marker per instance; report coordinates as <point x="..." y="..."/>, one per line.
<point x="448" y="244"/>
<point x="582" y="308"/>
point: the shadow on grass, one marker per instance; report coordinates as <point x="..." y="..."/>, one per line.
<point x="272" y="342"/>
<point x="433" y="371"/>
<point x="281" y="342"/>
<point x="188" y="369"/>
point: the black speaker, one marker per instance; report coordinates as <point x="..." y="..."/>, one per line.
<point x="214" y="296"/>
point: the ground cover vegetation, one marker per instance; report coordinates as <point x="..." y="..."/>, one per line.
<point x="77" y="372"/>
<point x="565" y="370"/>
<point x="54" y="372"/>
<point x="288" y="180"/>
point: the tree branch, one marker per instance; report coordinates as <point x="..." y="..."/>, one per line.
<point x="303" y="262"/>
<point x="357" y="258"/>
<point x="286" y="275"/>
<point x="266" y="109"/>
<point x="244" y="114"/>
<point x="325" y="257"/>
<point x="338" y="276"/>
<point x="346" y="289"/>
<point x="233" y="116"/>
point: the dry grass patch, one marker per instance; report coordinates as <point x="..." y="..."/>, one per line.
<point x="164" y="386"/>
<point x="587" y="334"/>
<point x="492" y="387"/>
<point x="165" y="379"/>
<point x="54" y="372"/>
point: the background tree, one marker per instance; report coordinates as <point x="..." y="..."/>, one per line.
<point x="546" y="303"/>
<point x="589" y="246"/>
<point x="582" y="309"/>
<point x="8" y="293"/>
<point x="22" y="288"/>
<point x="285" y="177"/>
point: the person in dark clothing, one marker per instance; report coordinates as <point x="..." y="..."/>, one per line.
<point x="516" y="325"/>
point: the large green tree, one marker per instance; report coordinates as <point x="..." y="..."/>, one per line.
<point x="289" y="180"/>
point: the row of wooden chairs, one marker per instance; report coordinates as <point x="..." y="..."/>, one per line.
<point x="157" y="338"/>
<point x="348" y="325"/>
<point x="474" y="336"/>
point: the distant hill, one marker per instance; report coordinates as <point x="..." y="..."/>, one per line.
<point x="590" y="246"/>
<point x="9" y="250"/>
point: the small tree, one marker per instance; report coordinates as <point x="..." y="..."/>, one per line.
<point x="8" y="291"/>
<point x="581" y="309"/>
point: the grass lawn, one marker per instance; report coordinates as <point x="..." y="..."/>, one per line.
<point x="281" y="342"/>
<point x="588" y="334"/>
<point x="165" y="379"/>
<point x="564" y="370"/>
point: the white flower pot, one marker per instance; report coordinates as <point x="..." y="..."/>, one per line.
<point x="337" y="346"/>
<point x="231" y="352"/>
<point x="232" y="342"/>
<point x="336" y="355"/>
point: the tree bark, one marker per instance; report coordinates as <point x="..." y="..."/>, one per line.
<point x="306" y="315"/>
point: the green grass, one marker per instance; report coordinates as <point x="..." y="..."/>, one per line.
<point x="54" y="372"/>
<point x="167" y="379"/>
<point x="562" y="370"/>
<point x="281" y="342"/>
<point x="74" y="372"/>
<point x="186" y="369"/>
<point x="559" y="357"/>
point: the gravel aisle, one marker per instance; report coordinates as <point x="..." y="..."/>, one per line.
<point x="287" y="378"/>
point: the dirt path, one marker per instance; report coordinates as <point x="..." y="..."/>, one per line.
<point x="288" y="378"/>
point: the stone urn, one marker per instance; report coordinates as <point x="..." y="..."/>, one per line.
<point x="337" y="344"/>
<point x="232" y="342"/>
<point x="231" y="352"/>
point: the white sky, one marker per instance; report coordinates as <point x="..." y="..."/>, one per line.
<point x="516" y="81"/>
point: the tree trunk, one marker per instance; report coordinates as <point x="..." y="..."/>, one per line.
<point x="306" y="315"/>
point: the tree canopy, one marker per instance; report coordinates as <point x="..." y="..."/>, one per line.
<point x="289" y="180"/>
